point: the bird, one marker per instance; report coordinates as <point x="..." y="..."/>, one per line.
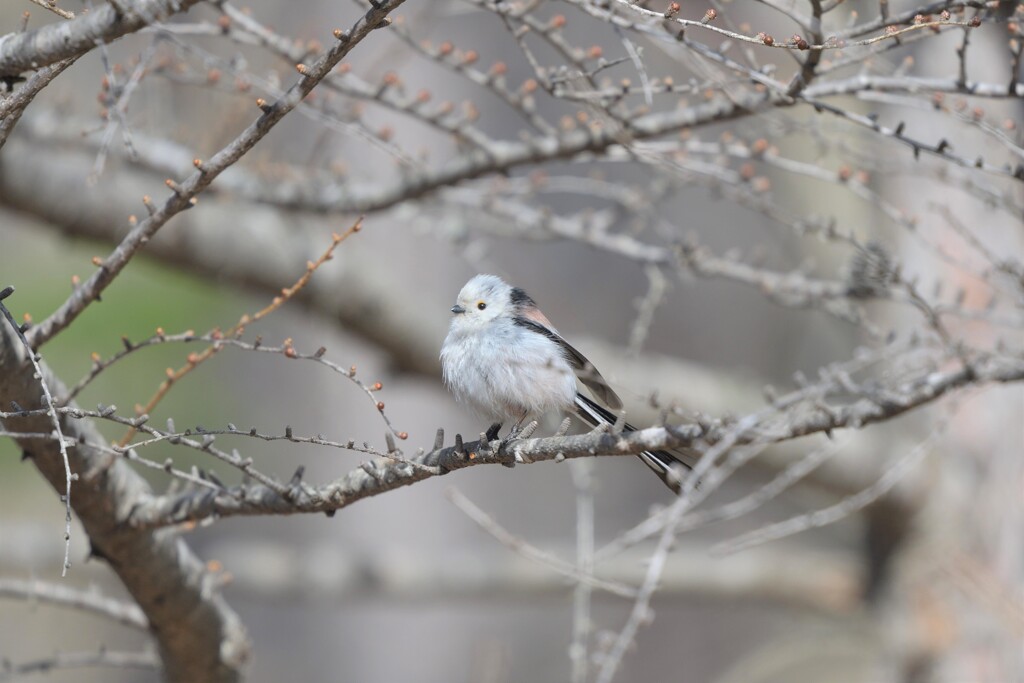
<point x="504" y="358"/>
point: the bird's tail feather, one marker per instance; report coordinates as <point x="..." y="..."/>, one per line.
<point x="669" y="468"/>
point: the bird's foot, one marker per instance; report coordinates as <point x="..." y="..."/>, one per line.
<point x="492" y="431"/>
<point x="520" y="431"/>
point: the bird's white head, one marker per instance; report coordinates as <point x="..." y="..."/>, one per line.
<point x="483" y="299"/>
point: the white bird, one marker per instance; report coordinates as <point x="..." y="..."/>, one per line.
<point x="504" y="358"/>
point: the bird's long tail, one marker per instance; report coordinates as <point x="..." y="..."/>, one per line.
<point x="669" y="468"/>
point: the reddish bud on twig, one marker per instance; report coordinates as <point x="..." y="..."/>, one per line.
<point x="709" y="16"/>
<point x="975" y="22"/>
<point x="224" y="23"/>
<point x="671" y="10"/>
<point x="445" y="49"/>
<point x="594" y="52"/>
<point x="301" y="68"/>
<point x="799" y="41"/>
<point x="944" y="15"/>
<point x="469" y="58"/>
<point x="765" y="38"/>
<point x="557" y="21"/>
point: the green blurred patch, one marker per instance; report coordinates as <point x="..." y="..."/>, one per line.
<point x="40" y="263"/>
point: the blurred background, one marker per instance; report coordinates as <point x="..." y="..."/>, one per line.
<point x="923" y="584"/>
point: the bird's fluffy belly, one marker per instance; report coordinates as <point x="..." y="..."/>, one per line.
<point x="525" y="375"/>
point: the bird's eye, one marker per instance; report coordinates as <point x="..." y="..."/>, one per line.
<point x="481" y="305"/>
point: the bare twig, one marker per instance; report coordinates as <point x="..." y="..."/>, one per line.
<point x="90" y="601"/>
<point x="104" y="659"/>
<point x="52" y="6"/>
<point x="574" y="572"/>
<point x="52" y="414"/>
<point x="183" y="195"/>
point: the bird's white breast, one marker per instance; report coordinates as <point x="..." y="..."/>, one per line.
<point x="505" y="371"/>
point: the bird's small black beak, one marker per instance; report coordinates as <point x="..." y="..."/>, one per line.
<point x="458" y="309"/>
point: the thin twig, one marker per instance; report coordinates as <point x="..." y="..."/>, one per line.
<point x="52" y="413"/>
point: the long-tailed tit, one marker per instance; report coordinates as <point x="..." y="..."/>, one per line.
<point x="504" y="358"/>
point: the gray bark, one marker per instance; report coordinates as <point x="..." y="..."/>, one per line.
<point x="199" y="636"/>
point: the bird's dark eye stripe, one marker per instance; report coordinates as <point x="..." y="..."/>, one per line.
<point x="481" y="305"/>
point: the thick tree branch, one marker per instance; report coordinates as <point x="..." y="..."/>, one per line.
<point x="199" y="636"/>
<point x="20" y="52"/>
<point x="385" y="474"/>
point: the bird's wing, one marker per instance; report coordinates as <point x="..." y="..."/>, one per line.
<point x="670" y="467"/>
<point x="586" y="372"/>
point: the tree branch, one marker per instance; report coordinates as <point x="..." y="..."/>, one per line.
<point x="20" y="52"/>
<point x="125" y="613"/>
<point x="184" y="195"/>
<point x="385" y="474"/>
<point x="199" y="636"/>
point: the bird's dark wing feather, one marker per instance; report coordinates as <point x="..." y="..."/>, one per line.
<point x="667" y="466"/>
<point x="585" y="370"/>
